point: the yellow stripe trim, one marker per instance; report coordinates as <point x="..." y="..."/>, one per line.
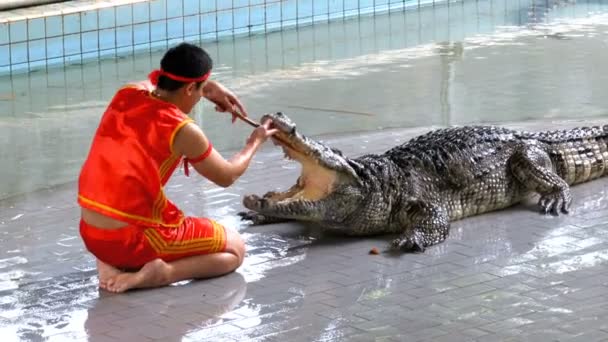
<point x="220" y="233"/>
<point x="166" y="165"/>
<point x="181" y="124"/>
<point x="162" y="204"/>
<point x="179" y="244"/>
<point x="162" y="247"/>
<point x="157" y="204"/>
<point x="127" y="215"/>
<point x="153" y="242"/>
<point x="208" y="244"/>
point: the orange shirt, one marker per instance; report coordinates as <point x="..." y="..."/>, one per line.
<point x="131" y="159"/>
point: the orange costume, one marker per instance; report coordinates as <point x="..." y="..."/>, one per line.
<point x="130" y="161"/>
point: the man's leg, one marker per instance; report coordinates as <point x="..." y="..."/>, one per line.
<point x="160" y="273"/>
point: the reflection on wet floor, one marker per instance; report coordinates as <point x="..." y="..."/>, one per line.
<point x="72" y="308"/>
<point x="509" y="269"/>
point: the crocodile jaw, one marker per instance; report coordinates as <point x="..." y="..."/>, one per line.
<point x="298" y="146"/>
<point x="322" y="170"/>
<point x="314" y="184"/>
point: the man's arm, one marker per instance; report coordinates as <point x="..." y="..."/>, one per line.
<point x="191" y="142"/>
<point x="223" y="98"/>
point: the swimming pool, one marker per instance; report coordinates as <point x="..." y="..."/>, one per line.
<point x="467" y="62"/>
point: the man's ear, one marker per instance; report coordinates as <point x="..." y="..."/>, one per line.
<point x="190" y="88"/>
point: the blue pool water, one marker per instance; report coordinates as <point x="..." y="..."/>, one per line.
<point x="472" y="62"/>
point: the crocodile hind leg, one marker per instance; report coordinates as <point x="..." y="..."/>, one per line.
<point x="532" y="167"/>
<point x="425" y="225"/>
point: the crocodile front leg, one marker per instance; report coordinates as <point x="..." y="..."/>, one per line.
<point x="426" y="224"/>
<point x="258" y="219"/>
<point x="532" y="167"/>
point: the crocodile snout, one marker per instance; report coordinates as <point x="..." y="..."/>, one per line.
<point x="281" y="122"/>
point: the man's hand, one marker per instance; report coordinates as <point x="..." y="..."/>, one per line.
<point x="224" y="99"/>
<point x="262" y="133"/>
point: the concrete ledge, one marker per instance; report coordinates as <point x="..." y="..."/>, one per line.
<point x="16" y="4"/>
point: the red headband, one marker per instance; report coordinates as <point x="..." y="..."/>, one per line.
<point x="154" y="76"/>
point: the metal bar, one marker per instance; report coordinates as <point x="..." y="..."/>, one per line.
<point x="16" y="4"/>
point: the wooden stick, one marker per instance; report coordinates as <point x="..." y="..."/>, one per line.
<point x="255" y="124"/>
<point x="246" y="119"/>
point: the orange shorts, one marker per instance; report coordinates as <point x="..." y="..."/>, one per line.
<point x="131" y="247"/>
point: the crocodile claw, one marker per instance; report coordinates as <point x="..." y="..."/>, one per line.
<point x="254" y="202"/>
<point x="555" y="202"/>
<point x="410" y="244"/>
<point x="255" y="218"/>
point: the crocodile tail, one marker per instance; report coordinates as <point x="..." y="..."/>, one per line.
<point x="566" y="135"/>
<point x="579" y="154"/>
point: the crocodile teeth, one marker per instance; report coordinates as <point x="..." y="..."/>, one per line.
<point x="286" y="155"/>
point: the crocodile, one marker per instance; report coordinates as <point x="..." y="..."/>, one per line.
<point x="416" y="189"/>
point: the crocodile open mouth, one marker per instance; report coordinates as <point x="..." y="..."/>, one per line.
<point x="323" y="170"/>
<point x="314" y="183"/>
<point x="316" y="179"/>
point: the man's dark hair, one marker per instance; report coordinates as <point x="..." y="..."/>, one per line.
<point x="184" y="60"/>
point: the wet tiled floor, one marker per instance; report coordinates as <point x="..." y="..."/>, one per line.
<point x="509" y="275"/>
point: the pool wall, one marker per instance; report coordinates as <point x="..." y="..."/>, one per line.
<point x="75" y="33"/>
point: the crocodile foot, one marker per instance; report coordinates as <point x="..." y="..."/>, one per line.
<point x="408" y="244"/>
<point x="255" y="218"/>
<point x="254" y="202"/>
<point x="259" y="219"/>
<point x="556" y="201"/>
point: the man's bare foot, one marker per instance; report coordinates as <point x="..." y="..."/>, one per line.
<point x="105" y="272"/>
<point x="155" y="273"/>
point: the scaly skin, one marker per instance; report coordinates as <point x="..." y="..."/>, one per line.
<point x="416" y="189"/>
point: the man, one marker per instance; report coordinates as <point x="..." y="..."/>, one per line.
<point x="139" y="237"/>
